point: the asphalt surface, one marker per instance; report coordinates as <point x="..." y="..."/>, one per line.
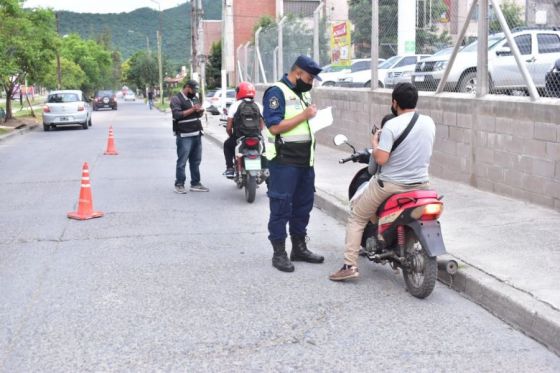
<point x="184" y="282"/>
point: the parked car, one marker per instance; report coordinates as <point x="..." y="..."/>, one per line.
<point x="403" y="74"/>
<point x="104" y="99"/>
<point x="553" y="80"/>
<point x="363" y="78"/>
<point x="539" y="49"/>
<point x="332" y="74"/>
<point x="129" y="96"/>
<point x="212" y="103"/>
<point x="67" y="107"/>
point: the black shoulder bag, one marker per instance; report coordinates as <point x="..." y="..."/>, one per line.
<point x="373" y="167"/>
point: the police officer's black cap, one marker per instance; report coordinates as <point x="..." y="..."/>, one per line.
<point x="308" y="65"/>
<point x="193" y="84"/>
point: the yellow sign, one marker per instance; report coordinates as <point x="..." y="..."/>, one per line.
<point x="341" y="44"/>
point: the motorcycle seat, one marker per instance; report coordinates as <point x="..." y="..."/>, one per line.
<point x="408" y="199"/>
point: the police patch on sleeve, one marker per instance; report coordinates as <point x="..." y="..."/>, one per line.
<point x="273" y="103"/>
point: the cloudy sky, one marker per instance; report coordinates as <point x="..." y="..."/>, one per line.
<point x="102" y="6"/>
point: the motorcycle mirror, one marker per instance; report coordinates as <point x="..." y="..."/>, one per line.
<point x="340" y="139"/>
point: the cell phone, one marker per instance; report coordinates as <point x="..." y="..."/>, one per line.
<point x="374" y="130"/>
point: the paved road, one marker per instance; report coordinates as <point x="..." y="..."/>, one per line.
<point x="184" y="282"/>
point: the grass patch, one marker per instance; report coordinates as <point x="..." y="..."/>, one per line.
<point x="160" y="106"/>
<point x="4" y="130"/>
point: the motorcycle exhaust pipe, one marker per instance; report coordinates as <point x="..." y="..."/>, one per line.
<point x="448" y="265"/>
<point x="383" y="256"/>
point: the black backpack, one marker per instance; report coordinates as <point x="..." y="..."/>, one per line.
<point x="246" y="119"/>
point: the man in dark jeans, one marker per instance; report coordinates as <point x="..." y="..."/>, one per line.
<point x="186" y="110"/>
<point x="151" y="98"/>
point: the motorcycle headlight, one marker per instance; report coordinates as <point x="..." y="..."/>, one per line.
<point x="440" y="65"/>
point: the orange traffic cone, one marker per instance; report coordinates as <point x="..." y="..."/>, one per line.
<point x="111" y="150"/>
<point x="85" y="203"/>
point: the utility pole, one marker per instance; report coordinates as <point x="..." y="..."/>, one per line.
<point x="58" y="69"/>
<point x="195" y="19"/>
<point x="160" y="67"/>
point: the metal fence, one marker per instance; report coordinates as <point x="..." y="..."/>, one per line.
<point x="442" y="52"/>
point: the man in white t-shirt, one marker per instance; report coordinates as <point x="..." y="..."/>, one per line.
<point x="404" y="168"/>
<point x="244" y="92"/>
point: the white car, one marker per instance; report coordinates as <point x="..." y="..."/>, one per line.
<point x="129" y="96"/>
<point x="329" y="74"/>
<point x="363" y="78"/>
<point x="67" y="107"/>
<point x="539" y="49"/>
<point x="403" y="74"/>
<point x="212" y="103"/>
<point x="332" y="74"/>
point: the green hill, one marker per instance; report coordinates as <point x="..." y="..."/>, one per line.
<point x="128" y="31"/>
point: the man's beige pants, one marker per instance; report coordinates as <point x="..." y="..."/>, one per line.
<point x="364" y="209"/>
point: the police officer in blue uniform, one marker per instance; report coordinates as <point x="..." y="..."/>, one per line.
<point x="290" y="151"/>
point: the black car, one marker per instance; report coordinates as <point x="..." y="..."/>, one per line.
<point x="553" y="80"/>
<point x="104" y="99"/>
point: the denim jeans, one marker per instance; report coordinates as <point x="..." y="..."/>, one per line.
<point x="188" y="148"/>
<point x="291" y="191"/>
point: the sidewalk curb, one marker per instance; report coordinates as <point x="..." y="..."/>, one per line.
<point x="16" y="132"/>
<point x="519" y="309"/>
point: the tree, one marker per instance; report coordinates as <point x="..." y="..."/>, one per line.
<point x="72" y="76"/>
<point x="214" y="66"/>
<point x="513" y="14"/>
<point x="141" y="70"/>
<point x="117" y="73"/>
<point x="27" y="44"/>
<point x="94" y="60"/>
<point x="428" y="38"/>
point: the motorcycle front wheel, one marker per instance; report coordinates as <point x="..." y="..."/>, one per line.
<point x="250" y="188"/>
<point x="421" y="273"/>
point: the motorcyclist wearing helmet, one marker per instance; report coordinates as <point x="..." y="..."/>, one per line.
<point x="245" y="91"/>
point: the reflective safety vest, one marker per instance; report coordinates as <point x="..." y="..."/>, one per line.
<point x="298" y="135"/>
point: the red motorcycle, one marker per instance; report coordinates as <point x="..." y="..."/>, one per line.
<point x="408" y="234"/>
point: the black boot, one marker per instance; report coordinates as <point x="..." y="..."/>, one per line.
<point x="280" y="258"/>
<point x="300" y="253"/>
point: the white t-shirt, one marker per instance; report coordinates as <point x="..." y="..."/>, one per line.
<point x="410" y="161"/>
<point x="233" y="108"/>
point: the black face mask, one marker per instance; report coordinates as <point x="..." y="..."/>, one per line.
<point x="302" y="86"/>
<point x="191" y="95"/>
<point x="393" y="110"/>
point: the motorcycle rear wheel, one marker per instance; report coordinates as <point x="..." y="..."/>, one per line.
<point x="420" y="277"/>
<point x="250" y="188"/>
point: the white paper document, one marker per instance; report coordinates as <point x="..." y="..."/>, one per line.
<point x="321" y="120"/>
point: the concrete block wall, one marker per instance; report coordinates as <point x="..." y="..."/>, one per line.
<point x="505" y="145"/>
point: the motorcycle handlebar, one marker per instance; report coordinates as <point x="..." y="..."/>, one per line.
<point x="362" y="157"/>
<point x="353" y="157"/>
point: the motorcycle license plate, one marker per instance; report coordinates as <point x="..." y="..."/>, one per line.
<point x="253" y="164"/>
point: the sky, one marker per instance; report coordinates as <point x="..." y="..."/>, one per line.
<point x="102" y="6"/>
